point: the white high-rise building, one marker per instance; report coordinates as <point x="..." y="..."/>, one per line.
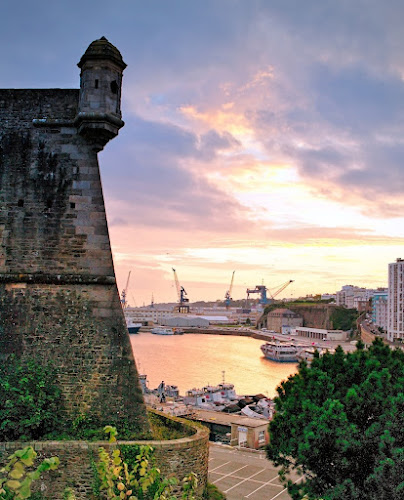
<point x="395" y="328"/>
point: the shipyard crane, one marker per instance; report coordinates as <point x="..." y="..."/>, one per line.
<point x="181" y="293"/>
<point x="228" y="293"/>
<point x="280" y="289"/>
<point x="262" y="290"/>
<point x="124" y="294"/>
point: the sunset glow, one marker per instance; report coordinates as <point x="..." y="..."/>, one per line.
<point x="259" y="138"/>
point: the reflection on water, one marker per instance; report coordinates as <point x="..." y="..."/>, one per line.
<point x="195" y="360"/>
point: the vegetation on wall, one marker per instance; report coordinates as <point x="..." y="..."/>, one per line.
<point x="30" y="399"/>
<point x="343" y="318"/>
<point x="163" y="428"/>
<point x="17" y="476"/>
<point x="115" y="478"/>
<point x="339" y="423"/>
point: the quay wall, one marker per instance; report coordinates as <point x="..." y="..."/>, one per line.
<point x="213" y="331"/>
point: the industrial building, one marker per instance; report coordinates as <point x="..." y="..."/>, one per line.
<point x="320" y="333"/>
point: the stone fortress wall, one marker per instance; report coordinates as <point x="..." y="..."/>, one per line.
<point x="58" y="296"/>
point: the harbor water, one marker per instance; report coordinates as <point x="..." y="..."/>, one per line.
<point x="196" y="360"/>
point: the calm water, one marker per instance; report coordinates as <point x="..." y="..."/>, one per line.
<point x="193" y="360"/>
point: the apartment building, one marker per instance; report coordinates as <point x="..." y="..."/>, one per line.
<point x="380" y="308"/>
<point x="354" y="297"/>
<point x="395" y="327"/>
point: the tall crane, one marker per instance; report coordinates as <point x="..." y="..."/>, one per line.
<point x="280" y="289"/>
<point x="262" y="290"/>
<point x="181" y="293"/>
<point x="124" y="294"/>
<point x="228" y="297"/>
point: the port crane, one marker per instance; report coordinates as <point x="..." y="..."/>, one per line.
<point x="262" y="290"/>
<point x="228" y="297"/>
<point x="182" y="306"/>
<point x="124" y="294"/>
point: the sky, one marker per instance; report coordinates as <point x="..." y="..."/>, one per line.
<point x="261" y="137"/>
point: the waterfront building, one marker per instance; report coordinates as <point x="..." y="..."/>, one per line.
<point x="380" y="309"/>
<point x="281" y="317"/>
<point x="236" y="430"/>
<point x="187" y="320"/>
<point x="320" y="333"/>
<point x="395" y="327"/>
<point x="158" y="314"/>
<point x="150" y="315"/>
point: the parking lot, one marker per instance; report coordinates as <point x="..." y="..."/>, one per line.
<point x="244" y="475"/>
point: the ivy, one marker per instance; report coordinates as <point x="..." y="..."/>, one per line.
<point x="30" y="399"/>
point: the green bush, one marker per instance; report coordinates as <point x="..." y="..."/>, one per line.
<point x="212" y="492"/>
<point x="343" y="318"/>
<point x="163" y="428"/>
<point x="339" y="423"/>
<point x="30" y="399"/>
<point x="17" y="476"/>
<point x="139" y="480"/>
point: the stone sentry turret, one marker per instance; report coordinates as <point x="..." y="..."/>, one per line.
<point x="58" y="295"/>
<point x="99" y="114"/>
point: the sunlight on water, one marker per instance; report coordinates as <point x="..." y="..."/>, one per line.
<point x="195" y="360"/>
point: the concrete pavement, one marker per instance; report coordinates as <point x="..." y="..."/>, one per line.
<point x="243" y="475"/>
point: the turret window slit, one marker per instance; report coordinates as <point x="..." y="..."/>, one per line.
<point x="114" y="87"/>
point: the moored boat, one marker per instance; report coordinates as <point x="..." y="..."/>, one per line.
<point x="133" y="327"/>
<point x="162" y="330"/>
<point x="284" y="352"/>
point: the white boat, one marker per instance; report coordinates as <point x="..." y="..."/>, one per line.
<point x="133" y="327"/>
<point x="162" y="330"/>
<point x="285" y="352"/>
<point x="213" y="395"/>
<point x="307" y="354"/>
<point x="227" y="391"/>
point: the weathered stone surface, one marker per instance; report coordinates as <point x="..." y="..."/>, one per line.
<point x="58" y="295"/>
<point x="174" y="457"/>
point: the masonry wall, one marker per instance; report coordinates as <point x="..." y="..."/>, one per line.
<point x="52" y="216"/>
<point x="58" y="294"/>
<point x="177" y="457"/>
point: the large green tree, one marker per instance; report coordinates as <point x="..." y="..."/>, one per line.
<point x="340" y="424"/>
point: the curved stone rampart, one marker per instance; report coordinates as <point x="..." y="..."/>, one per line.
<point x="177" y="457"/>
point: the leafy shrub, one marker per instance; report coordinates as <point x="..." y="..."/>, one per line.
<point x="19" y="473"/>
<point x="164" y="428"/>
<point x="212" y="492"/>
<point x="30" y="399"/>
<point x="343" y="318"/>
<point x="139" y="481"/>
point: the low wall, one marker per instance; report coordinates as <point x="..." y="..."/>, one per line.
<point x="177" y="457"/>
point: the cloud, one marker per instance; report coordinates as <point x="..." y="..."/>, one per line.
<point x="159" y="182"/>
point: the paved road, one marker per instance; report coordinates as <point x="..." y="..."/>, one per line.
<point x="243" y="475"/>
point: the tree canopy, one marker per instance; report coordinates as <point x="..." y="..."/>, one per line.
<point x="340" y="424"/>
